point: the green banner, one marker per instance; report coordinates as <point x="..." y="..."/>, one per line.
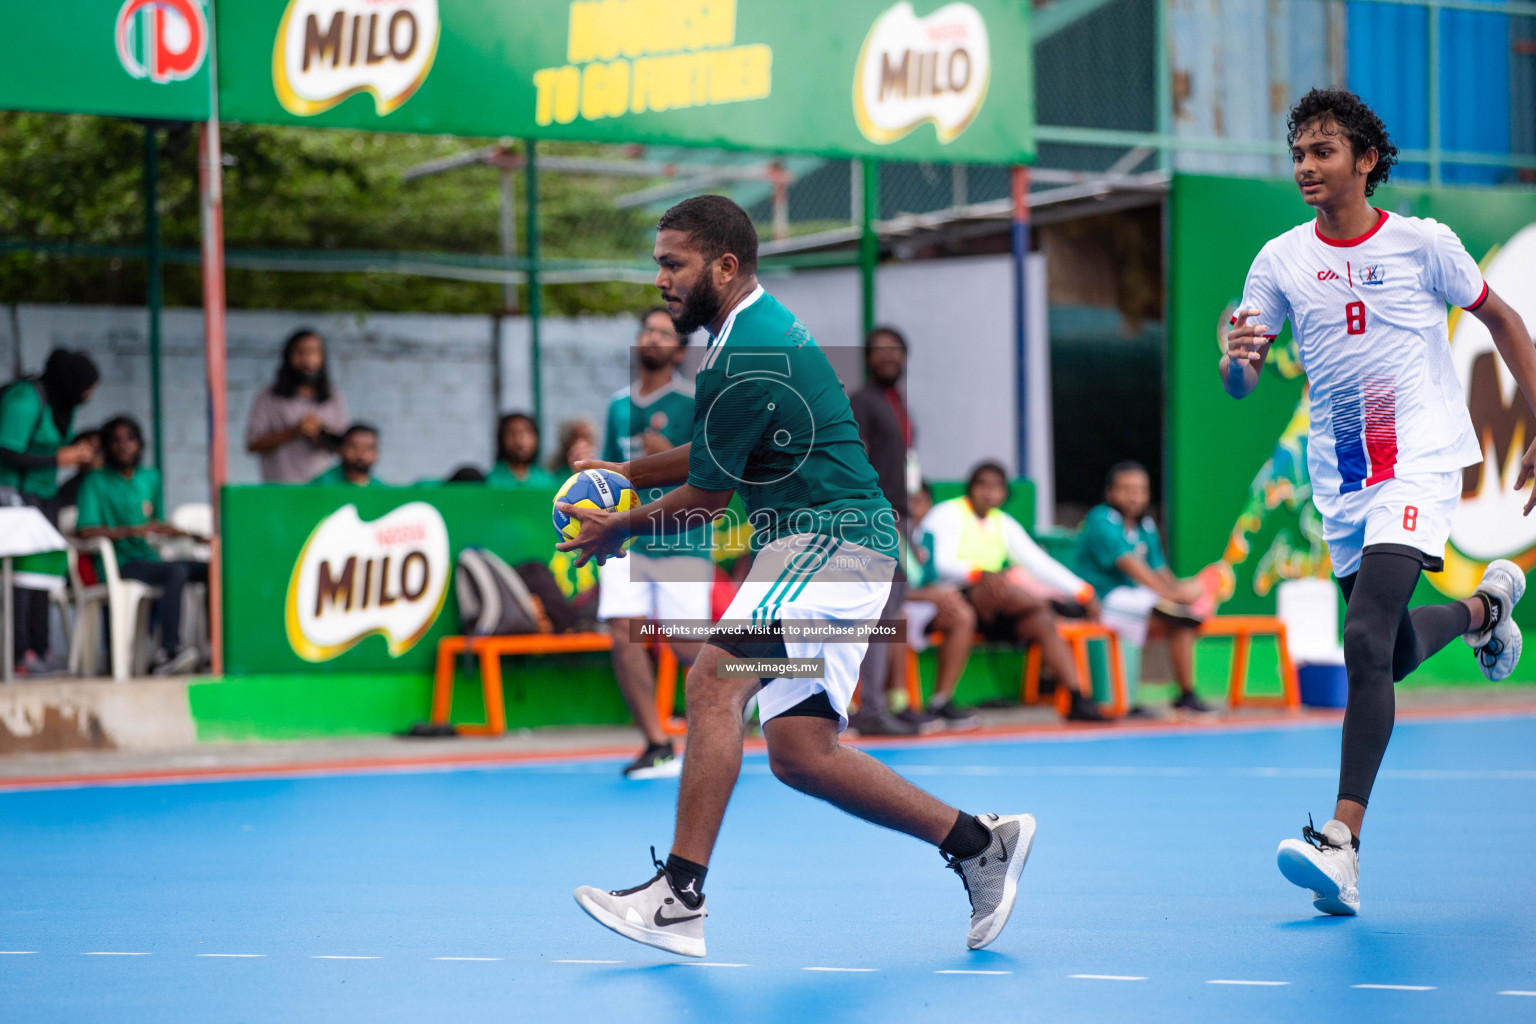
<point x="943" y="81"/>
<point x="341" y="579"/>
<point x="125" y="58"/>
<point x="1238" y="487"/>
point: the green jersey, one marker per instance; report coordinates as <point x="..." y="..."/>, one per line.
<point x="1106" y="538"/>
<point x="337" y="477"/>
<point x="772" y="423"/>
<point x="107" y="498"/>
<point x="27" y="426"/>
<point x="501" y="475"/>
<point x="669" y="411"/>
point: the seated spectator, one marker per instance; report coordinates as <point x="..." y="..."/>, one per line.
<point x="295" y="424"/>
<point x="36" y="417"/>
<point x="121" y="502"/>
<point x="1007" y="579"/>
<point x="578" y="443"/>
<point x="517" y="455"/>
<point x="359" y="450"/>
<point x="1118" y="551"/>
<point x="931" y="606"/>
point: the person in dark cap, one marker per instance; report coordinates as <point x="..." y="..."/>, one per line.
<point x="36" y="417"/>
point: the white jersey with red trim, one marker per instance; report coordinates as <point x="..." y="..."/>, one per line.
<point x="1369" y="318"/>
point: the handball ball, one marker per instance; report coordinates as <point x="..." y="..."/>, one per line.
<point x="593" y="488"/>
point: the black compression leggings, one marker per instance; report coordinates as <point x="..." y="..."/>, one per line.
<point x="1383" y="642"/>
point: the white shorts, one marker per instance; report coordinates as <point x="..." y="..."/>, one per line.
<point x="808" y="576"/>
<point x="641" y="586"/>
<point x="1410" y="511"/>
<point x="1126" y="611"/>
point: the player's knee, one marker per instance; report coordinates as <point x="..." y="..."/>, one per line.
<point x="796" y="764"/>
<point x="963" y="617"/>
<point x="1366" y="646"/>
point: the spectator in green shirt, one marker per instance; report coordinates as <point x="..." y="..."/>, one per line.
<point x="359" y="450"/>
<point x="36" y="416"/>
<point x="517" y="455"/>
<point x="1120" y="554"/>
<point x="121" y="502"/>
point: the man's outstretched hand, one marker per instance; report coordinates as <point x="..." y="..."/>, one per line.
<point x="599" y="537"/>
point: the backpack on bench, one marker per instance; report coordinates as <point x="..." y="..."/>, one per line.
<point x="493" y="599"/>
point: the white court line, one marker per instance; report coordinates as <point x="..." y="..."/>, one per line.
<point x="1108" y="977"/>
<point x="1516" y="992"/>
<point x="478" y="958"/>
<point x="114" y="954"/>
<point x="698" y="964"/>
<point x="1399" y="988"/>
<point x="18" y="952"/>
<point x="972" y="972"/>
<point x="845" y="970"/>
<point x="344" y="958"/>
<point x="1234" y="981"/>
<point x="234" y="956"/>
<point x="589" y="961"/>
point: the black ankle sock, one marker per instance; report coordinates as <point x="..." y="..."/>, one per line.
<point x="1493" y="610"/>
<point x="1354" y="842"/>
<point x="967" y="837"/>
<point x="687" y="880"/>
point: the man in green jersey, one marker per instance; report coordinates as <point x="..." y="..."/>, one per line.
<point x="357" y="452"/>
<point x="663" y="578"/>
<point x="121" y="503"/>
<point x="771" y="422"/>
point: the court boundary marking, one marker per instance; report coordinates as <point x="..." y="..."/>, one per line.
<point x="448" y="761"/>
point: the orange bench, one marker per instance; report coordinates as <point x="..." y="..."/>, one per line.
<point x="1242" y="629"/>
<point x="492" y="648"/>
<point x="1077" y="635"/>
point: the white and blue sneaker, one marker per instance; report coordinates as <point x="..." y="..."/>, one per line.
<point x="1326" y="863"/>
<point x="1497" y="644"/>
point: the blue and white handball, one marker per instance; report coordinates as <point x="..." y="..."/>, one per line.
<point x="593" y="488"/>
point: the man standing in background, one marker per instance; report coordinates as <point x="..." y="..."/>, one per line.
<point x="662" y="578"/>
<point x="885" y="427"/>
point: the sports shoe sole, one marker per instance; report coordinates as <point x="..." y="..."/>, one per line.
<point x="1010" y="882"/>
<point x="669" y="769"/>
<point x="672" y="943"/>
<point x="1299" y="870"/>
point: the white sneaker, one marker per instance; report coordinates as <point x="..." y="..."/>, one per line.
<point x="652" y="913"/>
<point x="1498" y="644"/>
<point x="991" y="878"/>
<point x="1327" y="864"/>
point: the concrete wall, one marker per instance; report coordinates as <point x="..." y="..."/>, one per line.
<point x="434" y="385"/>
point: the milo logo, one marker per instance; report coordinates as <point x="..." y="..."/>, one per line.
<point x="327" y="50"/>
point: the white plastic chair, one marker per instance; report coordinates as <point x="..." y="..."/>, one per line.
<point x="127" y="607"/>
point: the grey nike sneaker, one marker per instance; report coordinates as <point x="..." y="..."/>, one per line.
<point x="991" y="878"/>
<point x="1497" y="644"/>
<point x="653" y="913"/>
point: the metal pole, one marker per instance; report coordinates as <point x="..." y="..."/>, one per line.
<point x="8" y="609"/>
<point x="508" y="225"/>
<point x="210" y="168"/>
<point x="869" y="242"/>
<point x="1020" y="226"/>
<point x="1163" y="82"/>
<point x="1433" y="9"/>
<point x="535" y="300"/>
<point x="154" y="290"/>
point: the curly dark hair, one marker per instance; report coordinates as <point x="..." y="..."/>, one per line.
<point x="1355" y="120"/>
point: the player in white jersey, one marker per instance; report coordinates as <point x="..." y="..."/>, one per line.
<point x="1366" y="293"/>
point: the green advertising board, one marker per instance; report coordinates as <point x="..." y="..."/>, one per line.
<point x="939" y="81"/>
<point x="125" y="58"/>
<point x="1238" y="487"/>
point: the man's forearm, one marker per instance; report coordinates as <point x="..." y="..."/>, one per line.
<point x="664" y="469"/>
<point x="675" y="512"/>
<point x="1513" y="342"/>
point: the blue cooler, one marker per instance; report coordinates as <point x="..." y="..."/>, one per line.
<point x="1323" y="686"/>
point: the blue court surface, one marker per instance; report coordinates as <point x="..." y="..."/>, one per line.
<point x="1152" y="892"/>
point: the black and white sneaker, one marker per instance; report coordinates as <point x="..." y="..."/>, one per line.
<point x="657" y="761"/>
<point x="653" y="913"/>
<point x="991" y="878"/>
<point x="1497" y="644"/>
<point x="1083" y="709"/>
<point x="1192" y="704"/>
<point x="956" y="718"/>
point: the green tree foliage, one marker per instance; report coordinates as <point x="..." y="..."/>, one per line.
<point x="79" y="179"/>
